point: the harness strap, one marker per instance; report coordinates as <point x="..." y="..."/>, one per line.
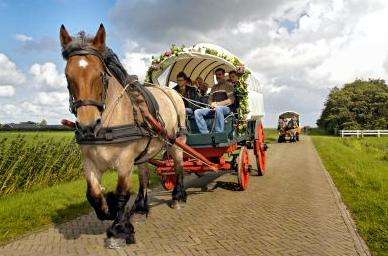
<point x="79" y="103"/>
<point x="140" y="159"/>
<point x="111" y="135"/>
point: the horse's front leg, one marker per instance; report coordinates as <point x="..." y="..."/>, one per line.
<point x="94" y="192"/>
<point x="122" y="228"/>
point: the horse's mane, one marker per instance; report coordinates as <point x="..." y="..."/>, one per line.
<point x="84" y="44"/>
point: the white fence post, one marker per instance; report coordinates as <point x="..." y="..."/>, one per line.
<point x="363" y="133"/>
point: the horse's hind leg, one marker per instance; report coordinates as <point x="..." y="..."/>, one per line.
<point x="179" y="193"/>
<point x="94" y="192"/>
<point x="141" y="204"/>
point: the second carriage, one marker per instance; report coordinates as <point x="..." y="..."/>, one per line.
<point x="289" y="127"/>
<point x="240" y="148"/>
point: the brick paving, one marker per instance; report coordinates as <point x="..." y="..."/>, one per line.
<point x="293" y="210"/>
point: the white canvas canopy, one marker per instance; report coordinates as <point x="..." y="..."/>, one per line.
<point x="195" y="62"/>
<point x="289" y="113"/>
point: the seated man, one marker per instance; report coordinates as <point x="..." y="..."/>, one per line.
<point x="202" y="87"/>
<point x="188" y="91"/>
<point x="221" y="97"/>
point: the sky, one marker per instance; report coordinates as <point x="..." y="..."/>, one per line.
<point x="298" y="49"/>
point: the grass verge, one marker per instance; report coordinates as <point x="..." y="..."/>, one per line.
<point x="24" y="212"/>
<point x="359" y="168"/>
<point x="271" y="135"/>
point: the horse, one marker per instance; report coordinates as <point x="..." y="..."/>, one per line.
<point x="100" y="102"/>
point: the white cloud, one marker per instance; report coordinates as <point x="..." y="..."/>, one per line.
<point x="23" y="38"/>
<point x="9" y="72"/>
<point x="47" y="76"/>
<point x="7" y="90"/>
<point x="52" y="99"/>
<point x="33" y="111"/>
<point x="299" y="49"/>
<point x="136" y="63"/>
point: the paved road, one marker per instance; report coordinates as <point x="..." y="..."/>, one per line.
<point x="292" y="210"/>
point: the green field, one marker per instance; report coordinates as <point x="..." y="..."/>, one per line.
<point x="34" y="160"/>
<point x="359" y="168"/>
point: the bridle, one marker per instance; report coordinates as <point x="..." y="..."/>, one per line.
<point x="102" y="133"/>
<point x="75" y="104"/>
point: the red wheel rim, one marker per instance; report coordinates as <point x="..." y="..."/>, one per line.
<point x="260" y="150"/>
<point x="168" y="181"/>
<point x="243" y="168"/>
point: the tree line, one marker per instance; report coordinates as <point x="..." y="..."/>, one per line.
<point x="362" y="104"/>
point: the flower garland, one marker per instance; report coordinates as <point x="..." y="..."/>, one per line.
<point x="241" y="87"/>
<point x="157" y="63"/>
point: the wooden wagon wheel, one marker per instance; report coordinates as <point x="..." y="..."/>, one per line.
<point x="168" y="181"/>
<point x="260" y="150"/>
<point x="243" y="168"/>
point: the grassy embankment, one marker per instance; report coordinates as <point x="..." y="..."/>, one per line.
<point x="359" y="168"/>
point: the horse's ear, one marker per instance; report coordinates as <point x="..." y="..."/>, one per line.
<point x="99" y="39"/>
<point x="64" y="36"/>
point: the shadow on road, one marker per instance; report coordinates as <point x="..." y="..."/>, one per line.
<point x="90" y="225"/>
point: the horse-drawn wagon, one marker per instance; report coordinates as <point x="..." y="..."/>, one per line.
<point x="289" y="126"/>
<point x="121" y="123"/>
<point x="241" y="145"/>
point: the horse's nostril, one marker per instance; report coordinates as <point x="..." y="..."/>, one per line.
<point x="98" y="121"/>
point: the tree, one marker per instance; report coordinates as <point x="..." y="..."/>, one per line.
<point x="43" y="122"/>
<point x="358" y="105"/>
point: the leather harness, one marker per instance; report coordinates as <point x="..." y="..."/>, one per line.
<point x="113" y="134"/>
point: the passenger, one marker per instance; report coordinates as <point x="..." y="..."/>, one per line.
<point x="202" y="90"/>
<point x="281" y="123"/>
<point x="233" y="77"/>
<point x="234" y="80"/>
<point x="221" y="97"/>
<point x="188" y="91"/>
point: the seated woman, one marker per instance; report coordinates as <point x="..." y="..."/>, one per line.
<point x="188" y="91"/>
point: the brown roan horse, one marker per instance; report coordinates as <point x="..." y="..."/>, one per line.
<point x="84" y="73"/>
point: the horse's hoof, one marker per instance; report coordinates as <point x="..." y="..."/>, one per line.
<point x="114" y="243"/>
<point x="175" y="205"/>
<point x="131" y="239"/>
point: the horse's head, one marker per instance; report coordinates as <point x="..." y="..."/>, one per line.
<point x="86" y="75"/>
